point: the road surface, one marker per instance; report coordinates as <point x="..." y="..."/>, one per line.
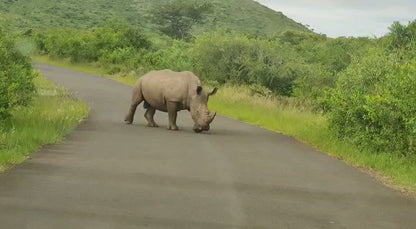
<point x="110" y="175"/>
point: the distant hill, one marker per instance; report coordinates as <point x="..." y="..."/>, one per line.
<point x="245" y="16"/>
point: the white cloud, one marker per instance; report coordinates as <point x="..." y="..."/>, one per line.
<point x="346" y="17"/>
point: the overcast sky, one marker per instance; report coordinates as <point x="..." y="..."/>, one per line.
<point x="346" y="17"/>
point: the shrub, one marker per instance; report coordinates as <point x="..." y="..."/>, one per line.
<point x="402" y="40"/>
<point x="174" y="55"/>
<point x="235" y="58"/>
<point x="16" y="75"/>
<point x="373" y="103"/>
<point x="114" y="43"/>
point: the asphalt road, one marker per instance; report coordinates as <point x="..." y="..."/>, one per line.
<point x="110" y="175"/>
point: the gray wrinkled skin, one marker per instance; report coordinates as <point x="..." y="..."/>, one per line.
<point x="199" y="111"/>
<point x="170" y="91"/>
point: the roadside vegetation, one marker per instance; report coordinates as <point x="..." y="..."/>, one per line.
<point x="33" y="111"/>
<point x="52" y="114"/>
<point x="16" y="75"/>
<point x="353" y="98"/>
<point x="244" y="16"/>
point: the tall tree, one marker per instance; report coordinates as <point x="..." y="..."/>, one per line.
<point x="176" y="18"/>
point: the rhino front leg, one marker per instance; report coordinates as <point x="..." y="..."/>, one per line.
<point x="172" y="108"/>
<point x="150" y="112"/>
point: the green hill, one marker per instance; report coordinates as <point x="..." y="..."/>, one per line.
<point x="245" y="16"/>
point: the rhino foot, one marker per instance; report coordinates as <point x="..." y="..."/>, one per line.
<point x="174" y="128"/>
<point x="152" y="125"/>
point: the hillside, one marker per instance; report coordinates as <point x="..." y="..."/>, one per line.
<point x="238" y="15"/>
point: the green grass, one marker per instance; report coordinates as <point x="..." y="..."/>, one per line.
<point x="237" y="15"/>
<point x="285" y="117"/>
<point x="53" y="114"/>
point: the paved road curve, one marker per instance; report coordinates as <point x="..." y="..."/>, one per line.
<point x="110" y="175"/>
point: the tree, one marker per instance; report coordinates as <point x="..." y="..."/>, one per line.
<point x="402" y="39"/>
<point x="176" y="18"/>
<point x="399" y="35"/>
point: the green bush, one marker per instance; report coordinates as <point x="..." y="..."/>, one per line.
<point x="297" y="64"/>
<point x="314" y="86"/>
<point x="392" y="111"/>
<point x="116" y="43"/>
<point x="292" y="64"/>
<point x="374" y="103"/>
<point x="16" y="75"/>
<point x="236" y="58"/>
<point x="402" y="40"/>
<point x="374" y="100"/>
<point x="174" y="55"/>
<point x="324" y="59"/>
<point x="55" y="42"/>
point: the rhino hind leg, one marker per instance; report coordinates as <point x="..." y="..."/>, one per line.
<point x="172" y="108"/>
<point x="137" y="98"/>
<point x="150" y="112"/>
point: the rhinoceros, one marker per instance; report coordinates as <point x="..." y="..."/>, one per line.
<point x="170" y="91"/>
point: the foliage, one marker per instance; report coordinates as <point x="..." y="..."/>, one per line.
<point x="298" y="64"/>
<point x="245" y="16"/>
<point x="402" y="36"/>
<point x="114" y="43"/>
<point x="53" y="114"/>
<point x="326" y="59"/>
<point x="176" y="18"/>
<point x="174" y="55"/>
<point x="402" y="40"/>
<point x="297" y="38"/>
<point x="80" y="14"/>
<point x="358" y="81"/>
<point x="365" y="87"/>
<point x="284" y="115"/>
<point x="374" y="101"/>
<point x="225" y="57"/>
<point x="16" y="75"/>
<point x="270" y="113"/>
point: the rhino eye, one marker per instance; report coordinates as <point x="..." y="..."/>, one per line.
<point x="199" y="90"/>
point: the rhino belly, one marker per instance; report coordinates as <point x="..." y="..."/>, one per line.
<point x="158" y="89"/>
<point x="157" y="103"/>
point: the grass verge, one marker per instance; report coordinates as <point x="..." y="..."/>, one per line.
<point x="237" y="102"/>
<point x="53" y="114"/>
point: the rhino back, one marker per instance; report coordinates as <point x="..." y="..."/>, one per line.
<point x="159" y="87"/>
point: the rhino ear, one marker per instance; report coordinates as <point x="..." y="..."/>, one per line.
<point x="213" y="92"/>
<point x="199" y="90"/>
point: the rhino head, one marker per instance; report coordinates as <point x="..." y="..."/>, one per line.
<point x="199" y="110"/>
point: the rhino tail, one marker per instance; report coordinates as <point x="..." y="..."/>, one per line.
<point x="137" y="98"/>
